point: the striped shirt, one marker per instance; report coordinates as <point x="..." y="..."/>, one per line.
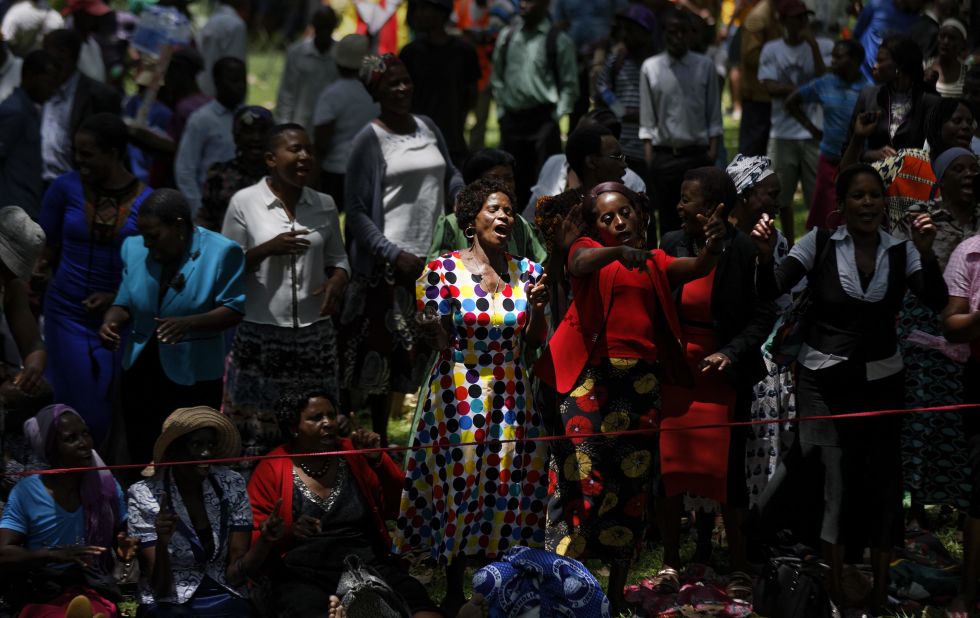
<point x="621" y="74"/>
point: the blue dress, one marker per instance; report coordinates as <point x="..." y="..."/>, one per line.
<point x="80" y="369"/>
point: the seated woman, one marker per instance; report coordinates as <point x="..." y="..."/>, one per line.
<point x="724" y="350"/>
<point x="331" y="507"/>
<point x="57" y="529"/>
<point x="194" y="522"/>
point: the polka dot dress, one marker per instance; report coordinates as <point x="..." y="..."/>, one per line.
<point x="475" y="500"/>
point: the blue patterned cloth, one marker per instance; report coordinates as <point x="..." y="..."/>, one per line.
<point x="525" y="579"/>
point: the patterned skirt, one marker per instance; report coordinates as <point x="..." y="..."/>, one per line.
<point x="268" y="361"/>
<point x="601" y="487"/>
<point x="773" y="398"/>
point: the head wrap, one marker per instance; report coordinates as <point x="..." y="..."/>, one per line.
<point x="252" y="116"/>
<point x="943" y="161"/>
<point x="747" y="172"/>
<point x="98" y="488"/>
<point x="526" y="579"/>
<point x="956" y="24"/>
<point x="374" y="67"/>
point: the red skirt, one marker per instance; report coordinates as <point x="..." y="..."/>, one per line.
<point x="696" y="461"/>
<point x="824" y="201"/>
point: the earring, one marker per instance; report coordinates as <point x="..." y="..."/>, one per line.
<point x="470" y="232"/>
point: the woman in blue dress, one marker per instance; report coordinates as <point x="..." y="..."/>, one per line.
<point x="86" y="215"/>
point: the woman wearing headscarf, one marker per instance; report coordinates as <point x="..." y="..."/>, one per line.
<point x="86" y="215"/>
<point x="400" y="179"/>
<point x="933" y="444"/>
<point x="194" y="522"/>
<point x="250" y="126"/>
<point x="723" y="349"/>
<point x="947" y="69"/>
<point x="296" y="272"/>
<point x="57" y="530"/>
<point x="182" y="288"/>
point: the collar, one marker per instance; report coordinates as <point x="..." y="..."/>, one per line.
<point x="682" y="60"/>
<point x="69" y="86"/>
<point x="269" y="198"/>
<point x="887" y="240"/>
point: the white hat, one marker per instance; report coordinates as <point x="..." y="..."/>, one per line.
<point x="21" y="241"/>
<point x="349" y="52"/>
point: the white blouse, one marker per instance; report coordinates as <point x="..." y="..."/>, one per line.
<point x="280" y="292"/>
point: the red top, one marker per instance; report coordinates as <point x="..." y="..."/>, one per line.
<point x="593" y="297"/>
<point x="696" y="301"/>
<point x="380" y="486"/>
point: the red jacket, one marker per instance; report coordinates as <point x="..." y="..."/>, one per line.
<point x="380" y="487"/>
<point x="583" y="324"/>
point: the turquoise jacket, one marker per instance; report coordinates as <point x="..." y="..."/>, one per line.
<point x="213" y="276"/>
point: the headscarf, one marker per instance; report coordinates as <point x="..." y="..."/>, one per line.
<point x="374" y="67"/>
<point x="747" y="172"/>
<point x="98" y="488"/>
<point x="526" y="579"/>
<point x="252" y="116"/>
<point x="956" y="24"/>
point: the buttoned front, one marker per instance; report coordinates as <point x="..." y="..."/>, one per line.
<point x="281" y="290"/>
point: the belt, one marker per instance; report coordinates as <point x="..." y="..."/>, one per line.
<point x="682" y="151"/>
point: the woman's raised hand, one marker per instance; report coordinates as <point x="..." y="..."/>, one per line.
<point x="715" y="228"/>
<point x="764" y="237"/>
<point x="923" y="234"/>
<point x="364" y="439"/>
<point x="166" y="521"/>
<point x="538" y="294"/>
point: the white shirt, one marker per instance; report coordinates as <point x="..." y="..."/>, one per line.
<point x="786" y="64"/>
<point x="413" y="187"/>
<point x="680" y="100"/>
<point x="280" y="291"/>
<point x="25" y="25"/>
<point x="553" y="179"/>
<point x="56" y="143"/>
<point x="90" y="60"/>
<point x="805" y="251"/>
<point x="306" y="73"/>
<point x="10" y="75"/>
<point x="206" y="140"/>
<point x="224" y="35"/>
<point x="347" y="104"/>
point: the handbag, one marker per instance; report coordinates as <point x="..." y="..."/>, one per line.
<point x="364" y="594"/>
<point x="791" y="586"/>
<point x="787" y="339"/>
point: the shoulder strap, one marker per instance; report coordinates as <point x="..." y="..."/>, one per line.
<point x="551" y="54"/>
<point x="823" y="248"/>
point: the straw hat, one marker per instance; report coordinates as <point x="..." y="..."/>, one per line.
<point x="187" y="420"/>
<point x="349" y="52"/>
<point x="21" y="241"/>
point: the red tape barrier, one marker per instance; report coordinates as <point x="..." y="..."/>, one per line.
<point x="445" y="444"/>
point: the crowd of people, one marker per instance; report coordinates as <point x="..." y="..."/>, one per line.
<point x="219" y="291"/>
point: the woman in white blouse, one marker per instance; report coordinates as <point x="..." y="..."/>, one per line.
<point x="297" y="271"/>
<point x="400" y="178"/>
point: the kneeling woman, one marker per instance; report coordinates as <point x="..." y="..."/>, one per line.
<point x="194" y="522"/>
<point x="606" y="361"/>
<point x="858" y="275"/>
<point x="331" y="506"/>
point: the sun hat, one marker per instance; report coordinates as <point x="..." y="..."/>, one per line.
<point x="187" y="420"/>
<point x="349" y="52"/>
<point x="21" y="241"/>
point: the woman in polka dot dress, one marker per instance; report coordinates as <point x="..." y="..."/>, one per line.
<point x="479" y="306"/>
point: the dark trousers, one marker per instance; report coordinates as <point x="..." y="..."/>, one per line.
<point x="664" y="178"/>
<point x="753" y="132"/>
<point x="531" y="136"/>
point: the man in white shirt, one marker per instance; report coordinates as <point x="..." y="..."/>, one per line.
<point x="225" y="35"/>
<point x="207" y="139"/>
<point x="9" y="72"/>
<point x="309" y="68"/>
<point x="680" y="118"/>
<point x="26" y="24"/>
<point x="784" y="65"/>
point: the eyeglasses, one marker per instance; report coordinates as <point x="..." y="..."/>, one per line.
<point x="619" y="157"/>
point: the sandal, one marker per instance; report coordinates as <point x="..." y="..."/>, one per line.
<point x="666" y="581"/>
<point x="740" y="585"/>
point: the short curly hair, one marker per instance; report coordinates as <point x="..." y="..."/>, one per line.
<point x="471" y="199"/>
<point x="291" y="405"/>
<point x="552" y="211"/>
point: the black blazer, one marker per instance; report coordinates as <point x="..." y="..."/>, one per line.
<point x="92" y="97"/>
<point x="742" y="320"/>
<point x="910" y="134"/>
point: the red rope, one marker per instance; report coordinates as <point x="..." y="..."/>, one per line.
<point x="445" y="444"/>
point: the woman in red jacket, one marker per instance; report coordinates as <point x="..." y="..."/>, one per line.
<point x="618" y="340"/>
<point x="332" y="506"/>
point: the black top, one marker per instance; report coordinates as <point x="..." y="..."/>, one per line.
<point x="910" y="134"/>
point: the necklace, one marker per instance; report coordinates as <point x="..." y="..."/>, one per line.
<point x="314" y="474"/>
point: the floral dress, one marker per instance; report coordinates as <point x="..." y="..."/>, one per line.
<point x="475" y="500"/>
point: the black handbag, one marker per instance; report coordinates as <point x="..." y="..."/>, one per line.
<point x="364" y="594"/>
<point x="792" y="586"/>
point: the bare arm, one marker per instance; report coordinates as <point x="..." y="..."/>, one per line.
<point x="960" y="325"/>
